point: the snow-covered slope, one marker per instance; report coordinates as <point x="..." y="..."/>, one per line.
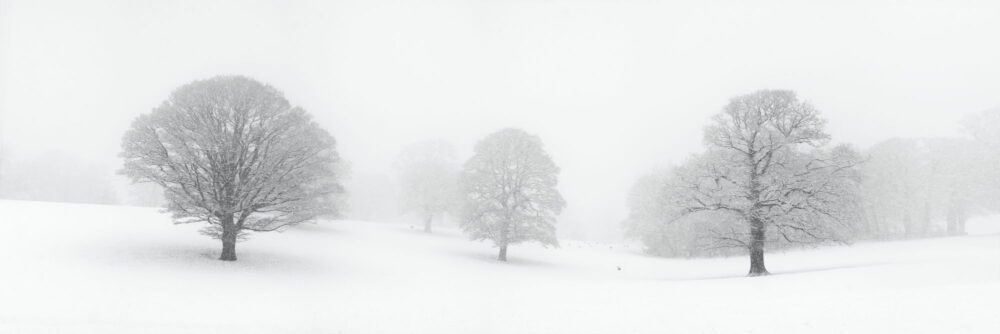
<point x="102" y="269"/>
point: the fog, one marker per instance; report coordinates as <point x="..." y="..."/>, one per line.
<point x="615" y="89"/>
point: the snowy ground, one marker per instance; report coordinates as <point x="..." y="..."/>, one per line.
<point x="71" y="268"/>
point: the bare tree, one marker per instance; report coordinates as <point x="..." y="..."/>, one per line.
<point x="765" y="167"/>
<point x="428" y="179"/>
<point x="510" y="191"/>
<point x="234" y="153"/>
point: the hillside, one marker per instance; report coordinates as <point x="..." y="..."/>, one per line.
<point x="106" y="269"/>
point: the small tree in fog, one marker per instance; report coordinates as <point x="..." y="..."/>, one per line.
<point x="764" y="167"/>
<point x="234" y="153"/>
<point x="649" y="212"/>
<point x="510" y="191"/>
<point x="428" y="179"/>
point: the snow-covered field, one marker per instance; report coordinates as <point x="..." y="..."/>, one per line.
<point x="72" y="268"/>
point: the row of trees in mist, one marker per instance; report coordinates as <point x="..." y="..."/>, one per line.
<point x="769" y="179"/>
<point x="234" y="153"/>
<point x="925" y="186"/>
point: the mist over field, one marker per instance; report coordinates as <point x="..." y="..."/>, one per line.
<point x="623" y="144"/>
<point x="615" y="88"/>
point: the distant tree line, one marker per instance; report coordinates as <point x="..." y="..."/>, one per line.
<point x="916" y="187"/>
<point x="57" y="177"/>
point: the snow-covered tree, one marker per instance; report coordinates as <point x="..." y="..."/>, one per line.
<point x="510" y="191"/>
<point x="428" y="179"/>
<point x="766" y="169"/>
<point x="232" y="152"/>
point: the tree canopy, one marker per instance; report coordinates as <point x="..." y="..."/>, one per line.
<point x="510" y="191"/>
<point x="234" y="153"/>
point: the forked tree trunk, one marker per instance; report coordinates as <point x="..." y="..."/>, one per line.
<point x="503" y="254"/>
<point x="757" y="234"/>
<point x="228" y="238"/>
<point x="427" y="222"/>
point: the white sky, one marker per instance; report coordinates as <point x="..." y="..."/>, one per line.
<point x="614" y="88"/>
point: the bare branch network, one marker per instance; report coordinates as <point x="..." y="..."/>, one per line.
<point x="234" y="153"/>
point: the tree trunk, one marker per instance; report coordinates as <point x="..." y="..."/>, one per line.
<point x="228" y="238"/>
<point x="427" y="222"/>
<point x="504" y="241"/>
<point x="757" y="234"/>
<point x="875" y="224"/>
<point x="908" y="227"/>
<point x="756" y="224"/>
<point x="952" y="221"/>
<point x="907" y="223"/>
<point x="956" y="218"/>
<point x="503" y="254"/>
<point x="925" y="222"/>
